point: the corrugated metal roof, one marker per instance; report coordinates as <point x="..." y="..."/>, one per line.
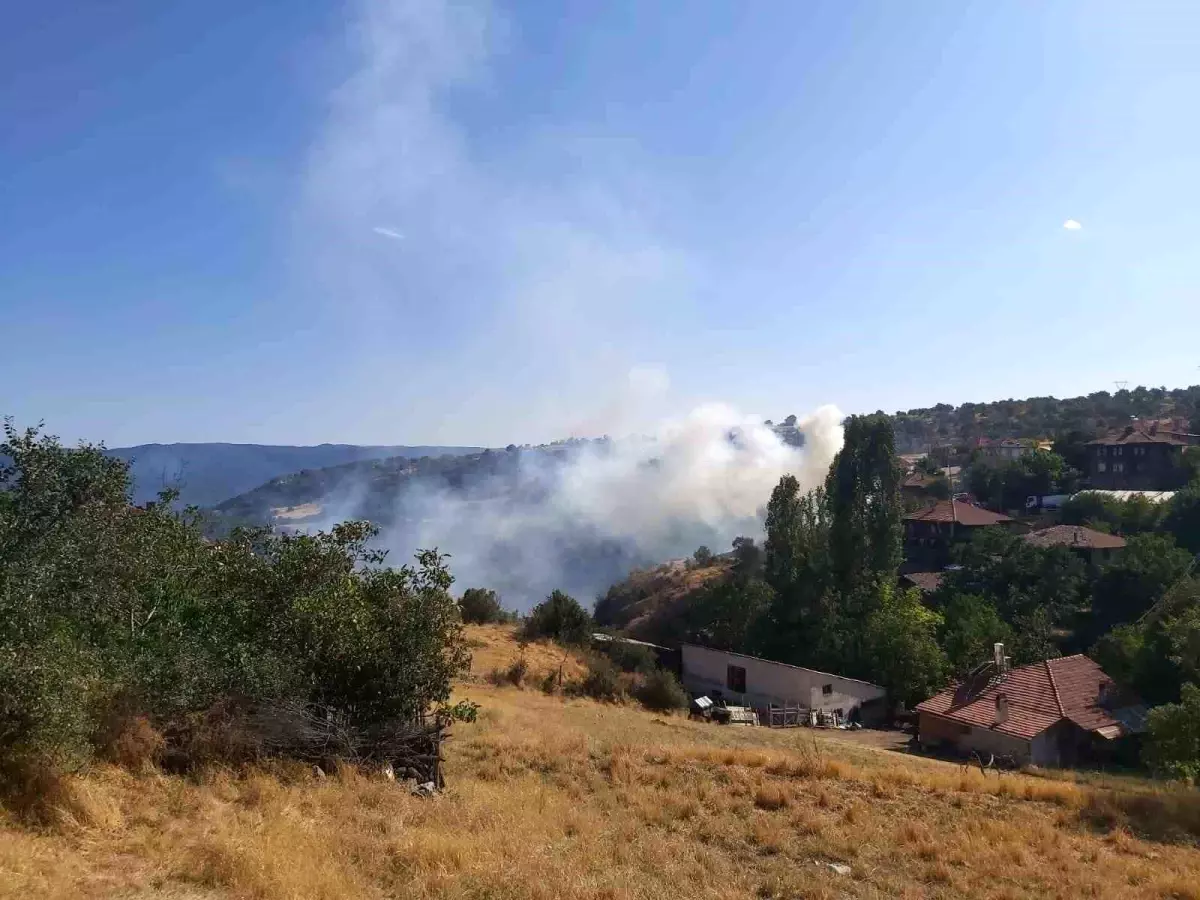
<point x="1152" y="496"/>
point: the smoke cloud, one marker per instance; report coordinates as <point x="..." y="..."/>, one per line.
<point x="525" y="301"/>
<point x="580" y="514"/>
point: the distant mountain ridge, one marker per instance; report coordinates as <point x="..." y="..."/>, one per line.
<point x="207" y="474"/>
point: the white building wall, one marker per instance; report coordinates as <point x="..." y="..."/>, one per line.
<point x="706" y="671"/>
<point x="985" y="740"/>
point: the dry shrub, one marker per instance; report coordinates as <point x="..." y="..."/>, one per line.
<point x="129" y="741"/>
<point x="515" y="674"/>
<point x="32" y="789"/>
<point x="1158" y="815"/>
<point x="771" y="796"/>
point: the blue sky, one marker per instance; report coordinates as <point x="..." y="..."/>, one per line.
<point x="461" y="222"/>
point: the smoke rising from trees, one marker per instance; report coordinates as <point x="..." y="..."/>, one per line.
<point x="579" y="515"/>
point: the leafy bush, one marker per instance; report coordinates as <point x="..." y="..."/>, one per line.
<point x="661" y="691"/>
<point x="629" y="657"/>
<point x="480" y="606"/>
<point x="602" y="681"/>
<point x="109" y="611"/>
<point x="560" y="618"/>
<point x="1173" y="743"/>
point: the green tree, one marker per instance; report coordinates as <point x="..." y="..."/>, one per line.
<point x="703" y="558"/>
<point x="723" y="615"/>
<point x="900" y="640"/>
<point x="801" y="623"/>
<point x="1018" y="578"/>
<point x="560" y="618"/>
<point x="863" y="493"/>
<point x="748" y="557"/>
<point x="1183" y="517"/>
<point x="927" y="465"/>
<point x="1159" y="652"/>
<point x="480" y="606"/>
<point x="1136" y="579"/>
<point x="971" y="627"/>
<point x="1173" y="736"/>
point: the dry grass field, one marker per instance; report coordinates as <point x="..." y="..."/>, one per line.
<point x="551" y="798"/>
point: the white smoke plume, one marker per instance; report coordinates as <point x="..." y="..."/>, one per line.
<point x="536" y="258"/>
<point x="579" y="515"/>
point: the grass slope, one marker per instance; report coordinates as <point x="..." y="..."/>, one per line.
<point x="550" y="798"/>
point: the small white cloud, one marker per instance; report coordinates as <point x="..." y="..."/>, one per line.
<point x="388" y="232"/>
<point x="1072" y="225"/>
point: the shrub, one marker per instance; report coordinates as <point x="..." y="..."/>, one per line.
<point x="602" y="681"/>
<point x="101" y="601"/>
<point x="661" y="691"/>
<point x="629" y="657"/>
<point x="1173" y="743"/>
<point x="516" y="672"/>
<point x="481" y="607"/>
<point x="560" y="618"/>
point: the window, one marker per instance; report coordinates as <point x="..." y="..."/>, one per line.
<point x="1118" y="467"/>
<point x="735" y="679"/>
<point x="827" y="690"/>
<point x="1118" y="450"/>
<point x="1102" y="466"/>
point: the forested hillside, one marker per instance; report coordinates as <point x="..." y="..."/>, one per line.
<point x="1035" y="417"/>
<point x="205" y="474"/>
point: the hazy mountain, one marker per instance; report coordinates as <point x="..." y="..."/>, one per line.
<point x="206" y="474"/>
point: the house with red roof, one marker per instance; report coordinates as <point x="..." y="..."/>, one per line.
<point x="1140" y="458"/>
<point x="1059" y="712"/>
<point x="1094" y="546"/>
<point x="930" y="532"/>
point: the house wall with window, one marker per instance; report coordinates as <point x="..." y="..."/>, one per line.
<point x="737" y="678"/>
<point x="1144" y="466"/>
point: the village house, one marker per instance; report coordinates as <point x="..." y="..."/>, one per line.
<point x="1094" y="546"/>
<point x="921" y="487"/>
<point x="929" y="533"/>
<point x="1140" y="458"/>
<point x="1060" y="712"/>
<point x="762" y="683"/>
<point x="925" y="582"/>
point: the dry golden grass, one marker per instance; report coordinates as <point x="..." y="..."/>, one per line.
<point x="495" y="647"/>
<point x="551" y="798"/>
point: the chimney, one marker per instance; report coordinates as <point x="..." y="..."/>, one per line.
<point x="999" y="659"/>
<point x="1103" y="694"/>
<point x="1001" y="709"/>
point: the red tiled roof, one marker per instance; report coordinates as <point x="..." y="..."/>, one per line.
<point x="918" y="480"/>
<point x="958" y="512"/>
<point x="1140" y="436"/>
<point x="1075" y="536"/>
<point x="926" y="581"/>
<point x="1038" y="696"/>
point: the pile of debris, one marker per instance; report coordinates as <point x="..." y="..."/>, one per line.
<point x="247" y="731"/>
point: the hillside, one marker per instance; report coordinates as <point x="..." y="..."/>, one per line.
<point x="495" y="511"/>
<point x="1036" y="417"/>
<point x="550" y="798"/>
<point x="650" y="604"/>
<point x="209" y="473"/>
